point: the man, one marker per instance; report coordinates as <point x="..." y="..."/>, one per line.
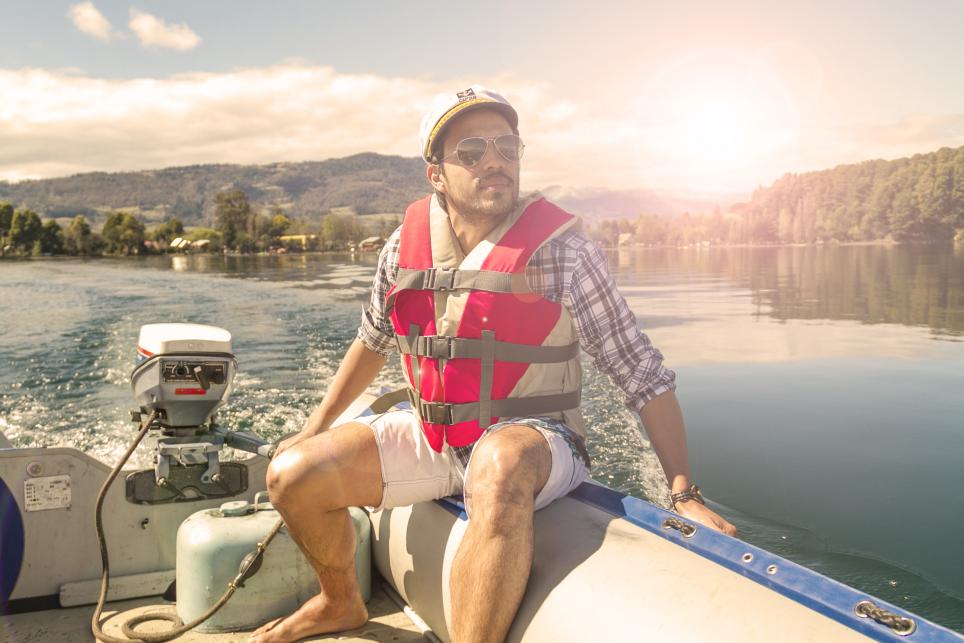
<point x="488" y="297"/>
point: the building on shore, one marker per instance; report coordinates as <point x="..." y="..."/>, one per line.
<point x="302" y="239"/>
<point x="371" y="244"/>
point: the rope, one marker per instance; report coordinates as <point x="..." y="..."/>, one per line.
<point x="247" y="569"/>
<point x="684" y="528"/>
<point x="899" y="624"/>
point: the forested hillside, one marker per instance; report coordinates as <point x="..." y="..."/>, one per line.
<point x="366" y="183"/>
<point x="918" y="198"/>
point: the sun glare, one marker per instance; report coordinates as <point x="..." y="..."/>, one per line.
<point x="715" y="121"/>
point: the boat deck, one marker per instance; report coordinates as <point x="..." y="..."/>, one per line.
<point x="387" y="622"/>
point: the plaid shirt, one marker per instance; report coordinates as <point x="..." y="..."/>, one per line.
<point x="570" y="270"/>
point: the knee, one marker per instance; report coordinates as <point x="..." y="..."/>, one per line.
<point x="290" y="479"/>
<point x="282" y="481"/>
<point x="503" y="480"/>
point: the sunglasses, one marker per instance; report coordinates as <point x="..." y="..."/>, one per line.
<point x="472" y="150"/>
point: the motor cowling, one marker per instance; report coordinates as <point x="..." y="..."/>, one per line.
<point x="184" y="372"/>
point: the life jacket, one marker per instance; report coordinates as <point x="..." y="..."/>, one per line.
<point x="476" y="344"/>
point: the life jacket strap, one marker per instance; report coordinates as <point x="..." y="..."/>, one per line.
<point x="486" y="374"/>
<point x="444" y="279"/>
<point x="443" y="347"/>
<point x="413" y="332"/>
<point x="390" y="399"/>
<point x="448" y="413"/>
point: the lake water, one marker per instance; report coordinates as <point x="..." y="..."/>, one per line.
<point x="823" y="388"/>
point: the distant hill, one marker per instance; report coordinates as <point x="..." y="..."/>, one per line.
<point x="366" y="183"/>
<point x="595" y="204"/>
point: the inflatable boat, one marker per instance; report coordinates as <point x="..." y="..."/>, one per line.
<point x="607" y="566"/>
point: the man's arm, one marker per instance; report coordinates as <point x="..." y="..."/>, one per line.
<point x="357" y="371"/>
<point x="663" y="420"/>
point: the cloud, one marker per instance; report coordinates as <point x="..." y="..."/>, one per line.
<point x="55" y="123"/>
<point x="916" y="129"/>
<point x="88" y="19"/>
<point x="151" y="31"/>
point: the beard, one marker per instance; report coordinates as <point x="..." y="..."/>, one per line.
<point x="477" y="204"/>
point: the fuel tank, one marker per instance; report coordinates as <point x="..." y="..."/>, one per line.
<point x="211" y="545"/>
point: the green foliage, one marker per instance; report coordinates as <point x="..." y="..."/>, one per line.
<point x="234" y="218"/>
<point x="123" y="234"/>
<point x="278" y="226"/>
<point x="80" y="240"/>
<point x="212" y="236"/>
<point x="6" y="218"/>
<point x="199" y="233"/>
<point x="652" y="230"/>
<point x="338" y="230"/>
<point x="388" y="225"/>
<point x="51" y="238"/>
<point x="167" y="232"/>
<point x="25" y="229"/>
<point x="915" y="199"/>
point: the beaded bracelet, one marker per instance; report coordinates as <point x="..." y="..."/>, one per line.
<point x="692" y="493"/>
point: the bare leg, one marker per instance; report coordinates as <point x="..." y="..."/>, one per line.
<point x="311" y="484"/>
<point x="491" y="567"/>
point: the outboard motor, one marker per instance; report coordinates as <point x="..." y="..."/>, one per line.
<point x="184" y="373"/>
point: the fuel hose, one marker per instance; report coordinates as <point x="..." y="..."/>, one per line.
<point x="248" y="567"/>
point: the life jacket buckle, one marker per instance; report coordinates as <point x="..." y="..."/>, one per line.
<point x="434" y="412"/>
<point x="436" y="347"/>
<point x="441" y="279"/>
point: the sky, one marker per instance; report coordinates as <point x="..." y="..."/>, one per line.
<point x="690" y="98"/>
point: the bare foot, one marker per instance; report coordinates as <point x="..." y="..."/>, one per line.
<point x="317" y="616"/>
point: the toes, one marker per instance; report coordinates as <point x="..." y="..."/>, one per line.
<point x="264" y="629"/>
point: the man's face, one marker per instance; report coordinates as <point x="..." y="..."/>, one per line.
<point x="490" y="188"/>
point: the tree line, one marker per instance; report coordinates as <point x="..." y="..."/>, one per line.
<point x="920" y="198"/>
<point x="238" y="227"/>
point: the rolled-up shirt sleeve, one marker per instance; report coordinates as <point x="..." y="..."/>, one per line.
<point x="376" y="331"/>
<point x="609" y="333"/>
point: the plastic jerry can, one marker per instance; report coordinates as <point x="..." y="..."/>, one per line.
<point x="211" y="545"/>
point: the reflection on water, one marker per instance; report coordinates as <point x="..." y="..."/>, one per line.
<point x="910" y="285"/>
<point x="821" y="386"/>
<point x="906" y="293"/>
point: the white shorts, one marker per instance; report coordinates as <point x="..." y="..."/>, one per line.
<point x="413" y="472"/>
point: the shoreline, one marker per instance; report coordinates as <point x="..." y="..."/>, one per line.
<point x="700" y="246"/>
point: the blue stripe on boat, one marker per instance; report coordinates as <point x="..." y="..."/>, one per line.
<point x="11" y="544"/>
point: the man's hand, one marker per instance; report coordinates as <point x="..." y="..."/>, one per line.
<point x="702" y="514"/>
<point x="290" y="441"/>
<point x="356" y="372"/>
